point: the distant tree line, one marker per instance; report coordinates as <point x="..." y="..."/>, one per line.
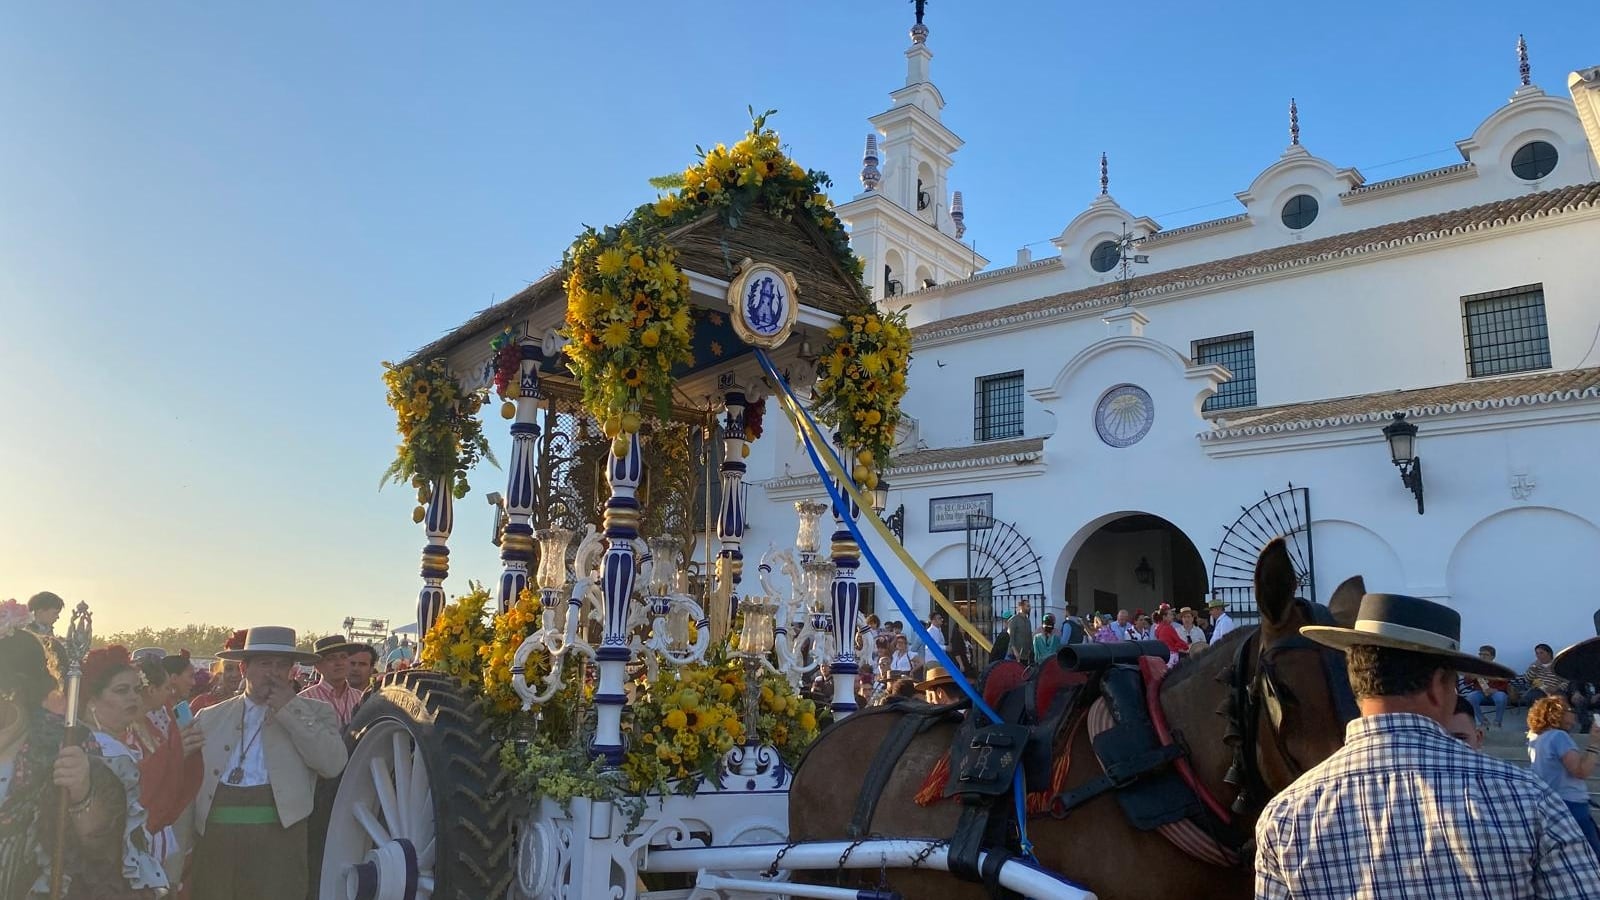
<point x="199" y="640"/>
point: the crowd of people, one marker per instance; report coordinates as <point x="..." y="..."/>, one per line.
<point x="896" y="663"/>
<point x="178" y="781"/>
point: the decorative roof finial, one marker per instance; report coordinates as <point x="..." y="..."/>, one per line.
<point x="1523" y="68"/>
<point x="919" y="31"/>
<point x="1105" y="175"/>
<point x="869" y="164"/>
<point x="958" y="215"/>
<point x="1294" y="123"/>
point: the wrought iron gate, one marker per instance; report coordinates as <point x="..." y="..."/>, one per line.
<point x="1002" y="571"/>
<point x="1233" y="564"/>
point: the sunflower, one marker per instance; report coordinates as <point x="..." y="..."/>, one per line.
<point x="632" y="377"/>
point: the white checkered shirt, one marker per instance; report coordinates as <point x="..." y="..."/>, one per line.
<point x="1406" y="810"/>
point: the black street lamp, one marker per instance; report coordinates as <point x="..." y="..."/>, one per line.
<point x="896" y="520"/>
<point x="1402" y="438"/>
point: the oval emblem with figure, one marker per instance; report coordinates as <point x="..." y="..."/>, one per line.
<point x="762" y="300"/>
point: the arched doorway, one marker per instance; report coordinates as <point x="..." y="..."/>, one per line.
<point x="1135" y="561"/>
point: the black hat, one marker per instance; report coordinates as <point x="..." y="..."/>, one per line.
<point x="336" y="643"/>
<point x="1407" y="623"/>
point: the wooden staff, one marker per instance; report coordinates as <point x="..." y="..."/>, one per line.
<point x="79" y="635"/>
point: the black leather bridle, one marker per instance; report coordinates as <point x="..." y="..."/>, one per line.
<point x="1255" y="689"/>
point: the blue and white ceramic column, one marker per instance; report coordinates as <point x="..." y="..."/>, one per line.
<point x="846" y="600"/>
<point x="516" y="545"/>
<point x="730" y="521"/>
<point x="616" y="582"/>
<point x="439" y="520"/>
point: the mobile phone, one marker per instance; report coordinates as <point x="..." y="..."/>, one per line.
<point x="184" y="715"/>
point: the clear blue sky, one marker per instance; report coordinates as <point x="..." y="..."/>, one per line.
<point x="217" y="219"/>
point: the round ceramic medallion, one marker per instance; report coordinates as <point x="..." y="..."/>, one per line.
<point x="1124" y="415"/>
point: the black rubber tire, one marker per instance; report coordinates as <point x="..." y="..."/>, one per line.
<point x="472" y="820"/>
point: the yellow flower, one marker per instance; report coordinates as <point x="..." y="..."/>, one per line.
<point x="632" y="378"/>
<point x="667" y="205"/>
<point x="713" y="186"/>
<point x="610" y="262"/>
<point x="651" y="337"/>
<point x="675" y="719"/>
<point x="636" y="262"/>
<point x="615" y="334"/>
<point x="808" y="721"/>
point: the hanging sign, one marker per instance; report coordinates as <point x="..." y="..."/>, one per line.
<point x="950" y="513"/>
<point x="764" y="304"/>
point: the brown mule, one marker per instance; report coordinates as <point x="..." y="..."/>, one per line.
<point x="1095" y="845"/>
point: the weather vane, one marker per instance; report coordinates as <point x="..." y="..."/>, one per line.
<point x="922" y="7"/>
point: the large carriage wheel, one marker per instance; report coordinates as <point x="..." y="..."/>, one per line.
<point x="420" y="813"/>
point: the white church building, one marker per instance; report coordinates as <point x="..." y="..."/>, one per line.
<point x="1125" y="421"/>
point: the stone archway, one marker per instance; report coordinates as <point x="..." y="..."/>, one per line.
<point x="1133" y="560"/>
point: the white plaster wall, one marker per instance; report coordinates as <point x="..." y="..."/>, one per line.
<point x="1551" y="118"/>
<point x="1517" y="579"/>
<point x="1391" y="323"/>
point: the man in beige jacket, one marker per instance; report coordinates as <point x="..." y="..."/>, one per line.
<point x="264" y="751"/>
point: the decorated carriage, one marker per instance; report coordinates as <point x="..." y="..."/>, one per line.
<point x="615" y="718"/>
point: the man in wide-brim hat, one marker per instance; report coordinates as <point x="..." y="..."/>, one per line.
<point x="264" y="750"/>
<point x="1404" y="809"/>
<point x="333" y="667"/>
<point x="938" y="687"/>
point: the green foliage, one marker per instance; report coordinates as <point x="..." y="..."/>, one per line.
<point x="199" y="640"/>
<point x="541" y="768"/>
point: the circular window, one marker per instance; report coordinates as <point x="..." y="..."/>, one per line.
<point x="1105" y="256"/>
<point x="1300" y="211"/>
<point x="1534" y="160"/>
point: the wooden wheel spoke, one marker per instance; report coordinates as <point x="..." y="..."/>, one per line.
<point x="381" y="780"/>
<point x="370" y="824"/>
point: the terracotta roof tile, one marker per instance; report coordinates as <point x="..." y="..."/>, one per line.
<point x="1465" y="396"/>
<point x="1471" y="218"/>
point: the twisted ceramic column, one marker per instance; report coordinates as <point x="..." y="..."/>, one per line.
<point x="439" y="520"/>
<point x="616" y="581"/>
<point x="516" y="545"/>
<point x="846" y="602"/>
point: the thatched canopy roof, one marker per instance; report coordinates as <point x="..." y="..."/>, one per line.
<point x="705" y="245"/>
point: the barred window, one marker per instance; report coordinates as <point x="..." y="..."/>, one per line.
<point x="1506" y="331"/>
<point x="998" y="407"/>
<point x="1236" y="353"/>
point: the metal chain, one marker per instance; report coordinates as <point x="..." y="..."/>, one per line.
<point x="925" y="852"/>
<point x="845" y="856"/>
<point x="772" y="870"/>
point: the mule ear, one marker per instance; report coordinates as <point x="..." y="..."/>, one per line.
<point x="1346" y="600"/>
<point x="1275" y="582"/>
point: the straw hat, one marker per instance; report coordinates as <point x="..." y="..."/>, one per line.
<point x="936" y="676"/>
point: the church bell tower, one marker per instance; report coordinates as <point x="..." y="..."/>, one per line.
<point x="906" y="224"/>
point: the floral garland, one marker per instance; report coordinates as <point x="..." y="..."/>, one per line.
<point x="862" y="380"/>
<point x="628" y="322"/>
<point x="628" y="312"/>
<point x="754" y="173"/>
<point x="456" y="642"/>
<point x="507" y="632"/>
<point x="694" y="716"/>
<point x="680" y="736"/>
<point x="440" y="435"/>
